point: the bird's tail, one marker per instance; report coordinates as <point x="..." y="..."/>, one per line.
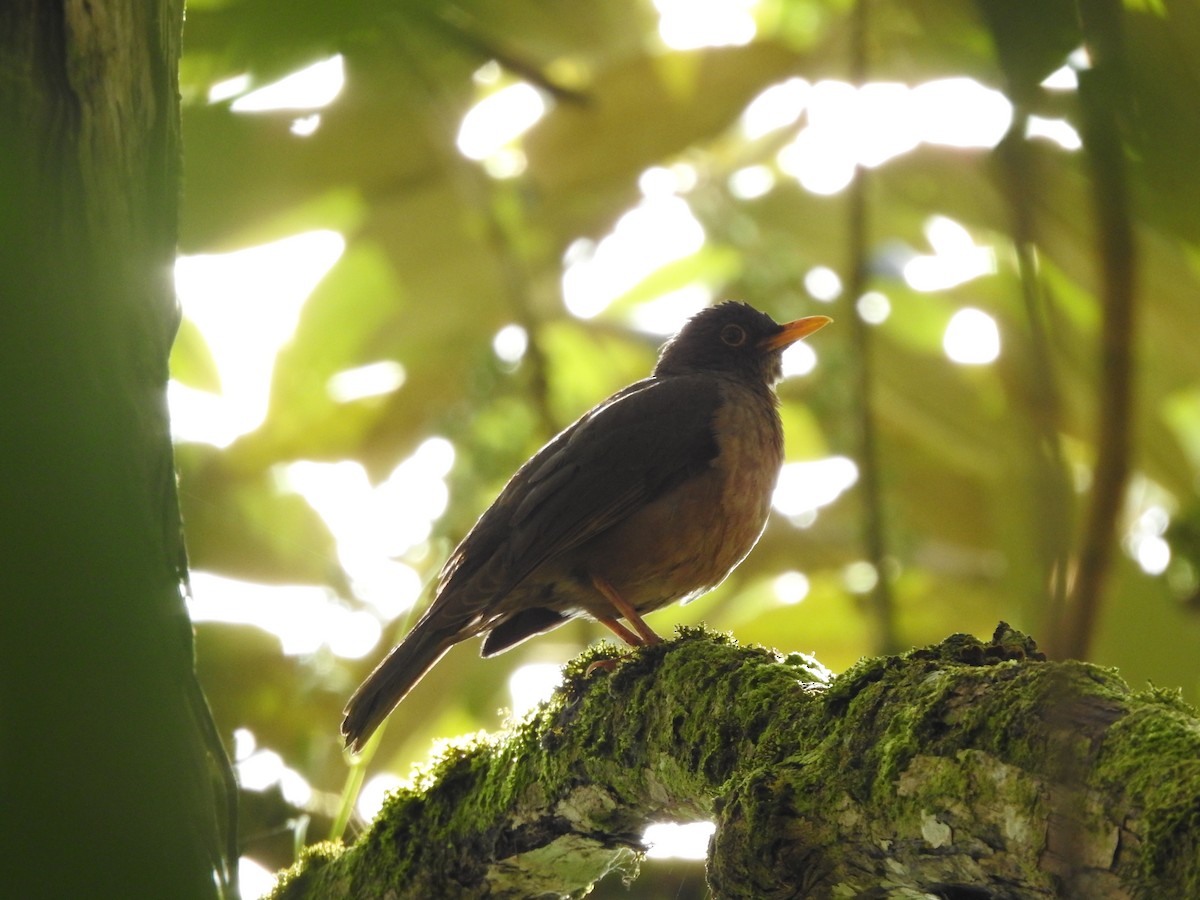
<point x="392" y="680"/>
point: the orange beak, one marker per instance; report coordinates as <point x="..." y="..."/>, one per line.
<point x="794" y="331"/>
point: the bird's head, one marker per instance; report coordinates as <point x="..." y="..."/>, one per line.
<point x="735" y="339"/>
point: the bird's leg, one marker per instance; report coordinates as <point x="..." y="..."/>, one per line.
<point x="621" y="631"/>
<point x="645" y="634"/>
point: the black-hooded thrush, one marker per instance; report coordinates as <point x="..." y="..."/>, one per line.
<point x="653" y="496"/>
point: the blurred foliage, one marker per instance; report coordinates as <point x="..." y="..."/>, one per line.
<point x="440" y="257"/>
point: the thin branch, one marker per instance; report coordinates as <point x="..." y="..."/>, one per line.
<point x="480" y="194"/>
<point x="460" y="27"/>
<point x="874" y="535"/>
<point x="1100" y="90"/>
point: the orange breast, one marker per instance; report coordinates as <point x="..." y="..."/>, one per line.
<point x="688" y="541"/>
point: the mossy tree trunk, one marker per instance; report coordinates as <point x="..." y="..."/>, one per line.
<point x="106" y="786"/>
<point x="965" y="770"/>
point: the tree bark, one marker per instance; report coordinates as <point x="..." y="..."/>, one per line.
<point x="965" y="770"/>
<point x="106" y="784"/>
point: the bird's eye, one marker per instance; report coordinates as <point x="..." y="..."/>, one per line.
<point x="733" y="335"/>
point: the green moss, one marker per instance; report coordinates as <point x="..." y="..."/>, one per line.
<point x="1152" y="760"/>
<point x="856" y="679"/>
<point x="307" y="870"/>
<point x="808" y="668"/>
<point x="941" y="699"/>
<point x="1169" y="699"/>
<point x="960" y="735"/>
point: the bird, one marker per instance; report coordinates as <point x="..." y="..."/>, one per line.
<point x="653" y="496"/>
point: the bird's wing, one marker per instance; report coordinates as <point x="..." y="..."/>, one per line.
<point x="628" y="451"/>
<point x="639" y="444"/>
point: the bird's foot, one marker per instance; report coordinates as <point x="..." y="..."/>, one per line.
<point x="608" y="665"/>
<point x="642" y="635"/>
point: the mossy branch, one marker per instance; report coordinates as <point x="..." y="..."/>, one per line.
<point x="962" y="769"/>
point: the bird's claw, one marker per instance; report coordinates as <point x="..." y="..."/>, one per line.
<point x="606" y="664"/>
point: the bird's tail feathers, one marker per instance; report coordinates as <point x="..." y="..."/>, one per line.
<point x="391" y="681"/>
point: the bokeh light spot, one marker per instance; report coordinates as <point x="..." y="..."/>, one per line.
<point x="658" y="231"/>
<point x="822" y="283"/>
<point x="531" y="684"/>
<point x="972" y="338"/>
<point x="246" y="305"/>
<point x="806" y="486"/>
<point x="873" y="308"/>
<point x="510" y="344"/>
<point x="692" y="24"/>
<point x="860" y="577"/>
<point x="313" y="87"/>
<point x="374" y="792"/>
<point x="790" y="587"/>
<point x="372" y="380"/>
<point x="751" y="182"/>
<point x="777" y="107"/>
<point x="498" y="119"/>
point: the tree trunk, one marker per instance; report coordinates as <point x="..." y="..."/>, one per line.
<point x="106" y="783"/>
<point x="964" y="770"/>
